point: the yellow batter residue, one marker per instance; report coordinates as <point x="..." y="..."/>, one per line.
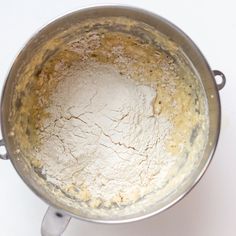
<point x="141" y="54"/>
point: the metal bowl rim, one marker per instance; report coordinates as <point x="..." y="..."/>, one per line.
<point x="193" y="47"/>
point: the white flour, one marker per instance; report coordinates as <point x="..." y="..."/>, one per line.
<point x="103" y="144"/>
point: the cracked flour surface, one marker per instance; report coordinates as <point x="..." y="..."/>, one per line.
<point x="102" y="143"/>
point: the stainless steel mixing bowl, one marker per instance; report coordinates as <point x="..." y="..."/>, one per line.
<point x="58" y="216"/>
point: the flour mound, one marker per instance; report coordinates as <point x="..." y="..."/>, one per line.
<point x="103" y="144"/>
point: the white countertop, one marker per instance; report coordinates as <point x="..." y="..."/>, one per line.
<point x="209" y="210"/>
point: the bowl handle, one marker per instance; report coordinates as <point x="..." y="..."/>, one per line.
<point x="221" y="83"/>
<point x="54" y="222"/>
<point x="3" y="153"/>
